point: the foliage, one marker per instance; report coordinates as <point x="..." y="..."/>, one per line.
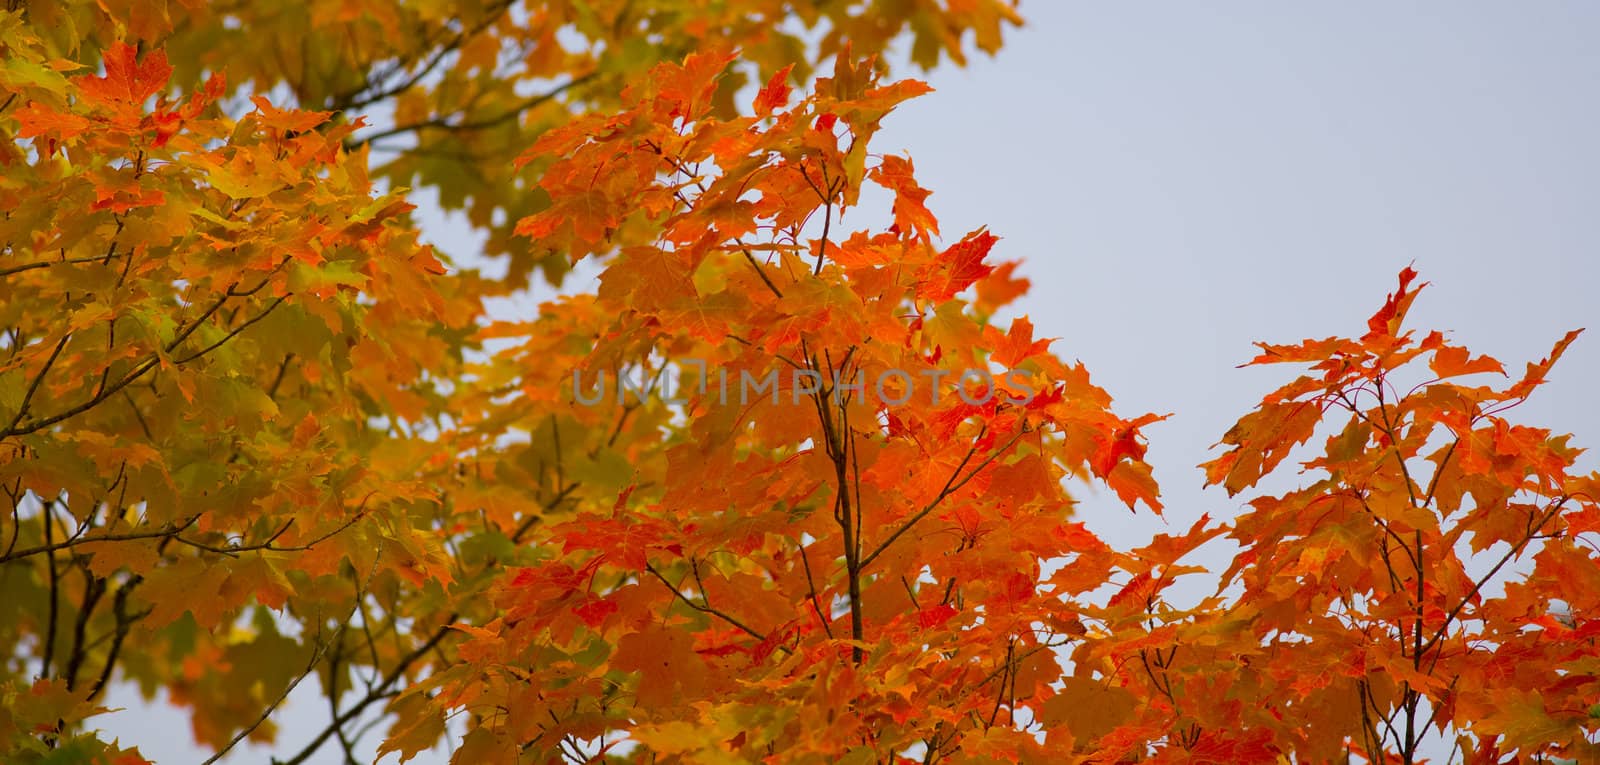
<point x="254" y="430"/>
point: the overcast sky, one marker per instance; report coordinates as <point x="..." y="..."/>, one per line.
<point x="1182" y="181"/>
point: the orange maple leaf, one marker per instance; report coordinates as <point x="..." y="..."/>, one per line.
<point x="127" y="81"/>
<point x="1388" y="318"/>
<point x="775" y="93"/>
<point x="957" y="267"/>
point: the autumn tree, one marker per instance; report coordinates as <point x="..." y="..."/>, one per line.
<point x="243" y="442"/>
<point x="1432" y="580"/>
<point x="774" y="491"/>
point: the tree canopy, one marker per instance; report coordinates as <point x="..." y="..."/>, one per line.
<point x="774" y="491"/>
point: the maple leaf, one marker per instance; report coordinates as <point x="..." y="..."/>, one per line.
<point x="1261" y="440"/>
<point x="128" y="81"/>
<point x="775" y="93"/>
<point x="1537" y="371"/>
<point x="1087" y="709"/>
<point x="1137" y="591"/>
<point x="1019" y="344"/>
<point x="911" y="214"/>
<point x="417" y="725"/>
<point x="1454" y="361"/>
<point x="1122" y="443"/>
<point x="668" y="667"/>
<point x="1001" y="287"/>
<point x="38" y="120"/>
<point x="286" y="120"/>
<point x="595" y="610"/>
<point x="957" y="267"/>
<point x="1386" y="322"/>
<point x="928" y="618"/>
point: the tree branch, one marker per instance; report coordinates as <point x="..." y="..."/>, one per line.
<point x="708" y="608"/>
<point x="380" y="692"/>
<point x="33" y="387"/>
<point x="441" y="123"/>
<point x="316" y="658"/>
<point x="951" y="487"/>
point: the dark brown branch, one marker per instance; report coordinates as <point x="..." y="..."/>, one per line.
<point x="811" y="589"/>
<point x="55" y="593"/>
<point x="528" y="523"/>
<point x="1478" y="585"/>
<point x="33" y="387"/>
<point x="15" y="429"/>
<point x="334" y="662"/>
<point x="4" y="272"/>
<point x="93" y="588"/>
<point x="761" y="272"/>
<point x="283" y="368"/>
<point x="236" y="330"/>
<point x="707" y="608"/>
<point x="50" y="546"/>
<point x="138" y="416"/>
<point x="119" y="610"/>
<point x="268" y="545"/>
<point x="442" y="123"/>
<point x="749" y="257"/>
<point x="382" y="691"/>
<point x="355" y="100"/>
<point x="316" y="658"/>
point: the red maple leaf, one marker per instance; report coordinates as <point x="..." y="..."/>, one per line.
<point x="1387" y="320"/>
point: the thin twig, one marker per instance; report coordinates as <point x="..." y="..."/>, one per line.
<point x="382" y="691"/>
<point x="316" y="658"/>
<point x="951" y="487"/>
<point x="440" y="123"/>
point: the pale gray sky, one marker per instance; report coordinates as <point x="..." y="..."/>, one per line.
<point x="1182" y="179"/>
